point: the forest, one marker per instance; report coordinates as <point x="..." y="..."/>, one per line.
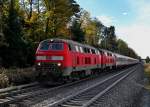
<point x="24" y="23"/>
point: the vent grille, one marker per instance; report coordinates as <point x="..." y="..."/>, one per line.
<point x="48" y="67"/>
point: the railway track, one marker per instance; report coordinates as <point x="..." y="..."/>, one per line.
<point x="10" y="96"/>
<point x="88" y="96"/>
<point x="18" y="89"/>
<point x="61" y="95"/>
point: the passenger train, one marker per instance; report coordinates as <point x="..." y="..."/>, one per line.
<point x="61" y="58"/>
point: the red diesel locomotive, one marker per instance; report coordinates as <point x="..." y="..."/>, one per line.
<point x="56" y="58"/>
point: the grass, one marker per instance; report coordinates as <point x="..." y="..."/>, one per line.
<point x="147" y="73"/>
<point x="16" y="76"/>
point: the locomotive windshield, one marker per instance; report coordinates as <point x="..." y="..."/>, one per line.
<point x="51" y="46"/>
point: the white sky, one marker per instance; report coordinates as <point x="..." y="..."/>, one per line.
<point x="137" y="32"/>
<point x="131" y="19"/>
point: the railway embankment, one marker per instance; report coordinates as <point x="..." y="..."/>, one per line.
<point x="125" y="94"/>
<point x="16" y="76"/>
<point x="144" y="100"/>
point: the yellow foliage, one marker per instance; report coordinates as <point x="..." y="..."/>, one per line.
<point x="49" y="13"/>
<point x="34" y="17"/>
<point x="147" y="68"/>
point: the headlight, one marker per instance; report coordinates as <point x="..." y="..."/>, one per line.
<point x="39" y="64"/>
<point x="40" y="57"/>
<point x="57" y="57"/>
<point x="59" y="64"/>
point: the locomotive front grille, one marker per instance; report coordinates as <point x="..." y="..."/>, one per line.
<point x="50" y="67"/>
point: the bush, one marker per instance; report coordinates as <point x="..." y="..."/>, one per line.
<point x="4" y="80"/>
<point x="16" y="76"/>
<point x="147" y="71"/>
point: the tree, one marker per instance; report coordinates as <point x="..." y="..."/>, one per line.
<point x="147" y="59"/>
<point x="132" y="53"/>
<point x="58" y="14"/>
<point x="2" y="38"/>
<point x="77" y="32"/>
<point x="99" y="27"/>
<point x="125" y="50"/>
<point x="109" y="40"/>
<point x="122" y="47"/>
<point x="13" y="54"/>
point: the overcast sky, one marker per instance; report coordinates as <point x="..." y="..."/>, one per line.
<point x="131" y="19"/>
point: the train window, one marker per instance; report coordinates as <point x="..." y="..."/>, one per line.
<point x="85" y="50"/>
<point x="51" y="46"/>
<point x="81" y="50"/>
<point x="73" y="48"/>
<point x="103" y="53"/>
<point x="77" y="49"/>
<point x="106" y="54"/>
<point x="88" y="50"/>
<point x="97" y="52"/>
<point x="69" y="47"/>
<point x="100" y="52"/>
<point x="56" y="46"/>
<point x="93" y="51"/>
<point x="44" y="46"/>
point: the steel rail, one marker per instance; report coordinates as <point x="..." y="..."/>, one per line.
<point x="13" y="98"/>
<point x="62" y="101"/>
<point x="107" y="89"/>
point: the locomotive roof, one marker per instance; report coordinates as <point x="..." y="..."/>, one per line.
<point x="87" y="46"/>
<point x="69" y="42"/>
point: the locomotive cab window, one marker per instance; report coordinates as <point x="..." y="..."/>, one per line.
<point x="51" y="46"/>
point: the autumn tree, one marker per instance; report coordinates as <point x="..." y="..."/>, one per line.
<point x="147" y="59"/>
<point x="122" y="47"/>
<point x="99" y="27"/>
<point x="77" y="32"/>
<point x="24" y="23"/>
<point x="90" y="26"/>
<point x="125" y="50"/>
<point x="58" y="13"/>
<point x="132" y="53"/>
<point x="109" y="40"/>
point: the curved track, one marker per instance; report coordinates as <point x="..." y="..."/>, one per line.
<point x="77" y="93"/>
<point x="88" y="96"/>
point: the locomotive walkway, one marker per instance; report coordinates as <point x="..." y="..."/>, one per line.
<point x="80" y="93"/>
